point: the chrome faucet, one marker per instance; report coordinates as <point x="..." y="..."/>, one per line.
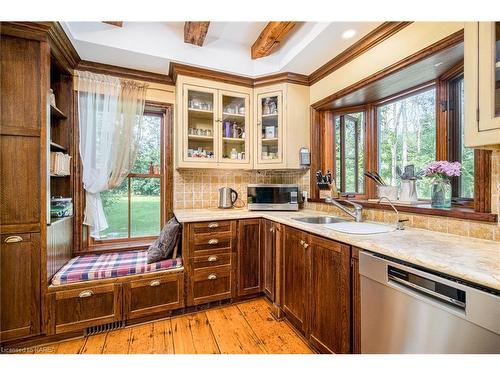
<point x="356" y="213"/>
<point x="400" y="224"/>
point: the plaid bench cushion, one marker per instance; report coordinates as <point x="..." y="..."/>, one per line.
<point x="103" y="266"/>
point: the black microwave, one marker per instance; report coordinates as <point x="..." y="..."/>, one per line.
<point x="273" y="197"/>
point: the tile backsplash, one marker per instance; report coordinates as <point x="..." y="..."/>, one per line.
<point x="200" y="189"/>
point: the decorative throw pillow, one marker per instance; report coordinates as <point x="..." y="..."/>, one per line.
<point x="164" y="246"/>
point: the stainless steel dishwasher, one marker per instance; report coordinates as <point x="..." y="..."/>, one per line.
<point x="407" y="310"/>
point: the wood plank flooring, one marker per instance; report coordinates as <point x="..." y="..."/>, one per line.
<point x="243" y="328"/>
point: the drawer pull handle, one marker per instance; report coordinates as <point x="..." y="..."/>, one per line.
<point x="212" y="258"/>
<point x="212" y="276"/>
<point x="86" y="294"/>
<point x="154" y="283"/>
<point x="213" y="225"/>
<point x="213" y="241"/>
<point x="13" y="239"/>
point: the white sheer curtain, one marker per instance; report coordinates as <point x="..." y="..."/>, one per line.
<point x="110" y="114"/>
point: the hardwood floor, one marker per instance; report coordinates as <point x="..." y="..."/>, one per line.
<point x="244" y="328"/>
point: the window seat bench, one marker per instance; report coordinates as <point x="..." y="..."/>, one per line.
<point x="91" y="292"/>
<point x="110" y="265"/>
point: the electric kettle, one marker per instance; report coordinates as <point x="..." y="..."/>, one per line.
<point x="227" y="197"/>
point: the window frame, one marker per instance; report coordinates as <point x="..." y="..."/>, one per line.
<point x="164" y="111"/>
<point x="478" y="208"/>
<point x="342" y="114"/>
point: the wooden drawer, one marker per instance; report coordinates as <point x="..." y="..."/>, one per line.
<point x="210" y="284"/>
<point x="153" y="295"/>
<point x="210" y="227"/>
<point x="212" y="241"/>
<point x="211" y="260"/>
<point x="72" y="310"/>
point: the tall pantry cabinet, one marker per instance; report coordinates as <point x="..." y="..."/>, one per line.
<point x="25" y="79"/>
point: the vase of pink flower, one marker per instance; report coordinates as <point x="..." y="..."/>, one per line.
<point x="441" y="172"/>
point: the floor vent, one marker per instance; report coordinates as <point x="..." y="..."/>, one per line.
<point x="104" y="328"/>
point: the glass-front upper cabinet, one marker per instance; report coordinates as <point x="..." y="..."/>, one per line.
<point x="270" y="128"/>
<point x="234" y="135"/>
<point x="200" y="124"/>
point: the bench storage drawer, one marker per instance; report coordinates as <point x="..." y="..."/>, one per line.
<point x="210" y="284"/>
<point x="210" y="227"/>
<point x="75" y="309"/>
<point x="153" y="295"/>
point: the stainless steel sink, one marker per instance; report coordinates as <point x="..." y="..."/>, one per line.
<point x="319" y="219"/>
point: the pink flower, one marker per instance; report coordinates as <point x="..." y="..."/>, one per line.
<point x="443" y="168"/>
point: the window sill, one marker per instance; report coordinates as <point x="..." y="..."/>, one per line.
<point x="426" y="209"/>
<point x="114" y="247"/>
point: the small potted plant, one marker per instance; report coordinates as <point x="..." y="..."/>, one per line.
<point x="440" y="172"/>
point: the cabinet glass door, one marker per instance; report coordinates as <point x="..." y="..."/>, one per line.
<point x="199" y="125"/>
<point x="270" y="130"/>
<point x="235" y="130"/>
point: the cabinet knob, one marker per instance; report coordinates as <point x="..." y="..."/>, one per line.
<point x="213" y="241"/>
<point x="306" y="245"/>
<point x="302" y="242"/>
<point x="271" y="229"/>
<point x="213" y="225"/>
<point x="154" y="283"/>
<point x="86" y="294"/>
<point x="212" y="258"/>
<point x="13" y="239"/>
<point x="212" y="276"/>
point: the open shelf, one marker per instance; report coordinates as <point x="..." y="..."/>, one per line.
<point x="201" y="113"/>
<point x="269" y="140"/>
<point x="234" y="140"/>
<point x="200" y="137"/>
<point x="57" y="113"/>
<point x="270" y="115"/>
<point x="58" y="147"/>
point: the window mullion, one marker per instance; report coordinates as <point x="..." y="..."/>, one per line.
<point x="129" y="207"/>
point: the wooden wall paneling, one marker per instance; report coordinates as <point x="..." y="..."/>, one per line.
<point x="355" y="302"/>
<point x="442" y="120"/>
<point x="59" y="245"/>
<point x="371" y="149"/>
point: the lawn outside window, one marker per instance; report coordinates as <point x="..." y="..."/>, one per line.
<point x="135" y="209"/>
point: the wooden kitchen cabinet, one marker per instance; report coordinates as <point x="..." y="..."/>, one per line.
<point x="329" y="295"/>
<point x="269" y="233"/>
<point x="20" y="285"/>
<point x="482" y="84"/>
<point x="249" y="257"/>
<point x="294" y="285"/>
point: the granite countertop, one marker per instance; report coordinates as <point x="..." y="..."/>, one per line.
<point x="470" y="259"/>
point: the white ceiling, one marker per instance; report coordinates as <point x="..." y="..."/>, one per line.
<point x="150" y="46"/>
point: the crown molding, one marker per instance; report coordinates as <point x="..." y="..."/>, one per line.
<point x="204" y="73"/>
<point x="370" y="40"/>
<point x="118" y="71"/>
<point x="61" y="47"/>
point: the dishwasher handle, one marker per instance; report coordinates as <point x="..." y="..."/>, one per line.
<point x="421" y="290"/>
